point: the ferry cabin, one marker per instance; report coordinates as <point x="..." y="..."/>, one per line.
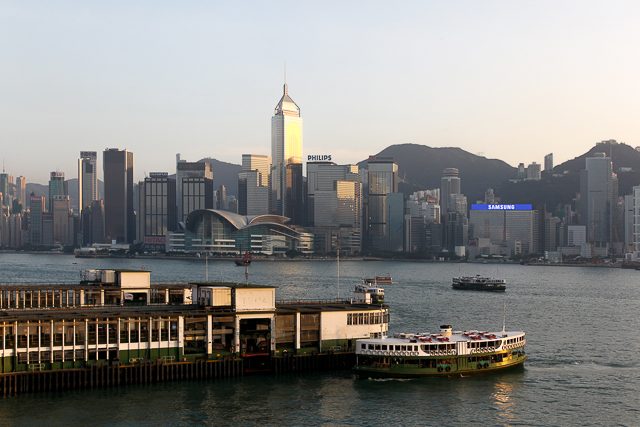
<point x="448" y="353"/>
<point x="119" y="315"/>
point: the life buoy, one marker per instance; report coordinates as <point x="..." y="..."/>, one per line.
<point x="439" y="368"/>
<point x="448" y="369"/>
<point x="403" y="353"/>
<point x="368" y="351"/>
<point x="479" y="365"/>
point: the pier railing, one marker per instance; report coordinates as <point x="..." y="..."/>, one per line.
<point x="314" y="301"/>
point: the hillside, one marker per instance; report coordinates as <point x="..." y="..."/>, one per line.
<point x="226" y="174"/>
<point x="420" y="167"/>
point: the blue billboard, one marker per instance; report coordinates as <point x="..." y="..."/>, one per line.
<point x="500" y="207"/>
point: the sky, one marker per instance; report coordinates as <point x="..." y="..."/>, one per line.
<point x="502" y="79"/>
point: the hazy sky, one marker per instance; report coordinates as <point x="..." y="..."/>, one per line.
<point x="510" y="80"/>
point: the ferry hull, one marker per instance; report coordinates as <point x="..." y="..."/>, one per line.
<point x="393" y="372"/>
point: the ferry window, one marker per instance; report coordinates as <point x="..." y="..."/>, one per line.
<point x="377" y="346"/>
<point x="174" y="330"/>
<point x="349" y="319"/>
<point x="363" y="346"/>
<point x="370" y="346"/>
<point x="384" y="346"/>
<point x="403" y="348"/>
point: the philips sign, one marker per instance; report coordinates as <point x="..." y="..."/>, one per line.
<point x="501" y="207"/>
<point x="319" y="158"/>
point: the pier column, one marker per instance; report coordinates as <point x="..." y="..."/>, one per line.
<point x="236" y="335"/>
<point x="166" y="296"/>
<point x="297" y="331"/>
<point x="209" y="335"/>
<point x="273" y="334"/>
<point x="81" y="298"/>
<point x="101" y="297"/>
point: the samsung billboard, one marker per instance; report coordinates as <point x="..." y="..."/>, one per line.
<point x="500" y="207"/>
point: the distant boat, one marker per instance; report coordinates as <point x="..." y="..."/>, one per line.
<point x="477" y="283"/>
<point x="379" y="279"/>
<point x="244" y="262"/>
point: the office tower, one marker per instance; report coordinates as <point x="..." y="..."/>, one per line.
<point x="294" y="207"/>
<point x="330" y="186"/>
<point x="201" y="170"/>
<point x="598" y="198"/>
<point x="383" y="180"/>
<point x="286" y="153"/>
<point x="21" y="191"/>
<point x="35" y="218"/>
<point x="533" y="172"/>
<point x="93" y="223"/>
<point x="233" y="204"/>
<point x="449" y="184"/>
<point x="197" y="193"/>
<point x="221" y="198"/>
<point x="57" y="187"/>
<point x="159" y="212"/>
<point x="60" y="210"/>
<point x="254" y="189"/>
<point x="394" y="208"/>
<point x="4" y="188"/>
<point x="87" y="179"/>
<point x="119" y="220"/>
<point x="548" y="163"/>
<point x="522" y="172"/>
<point x="510" y="226"/>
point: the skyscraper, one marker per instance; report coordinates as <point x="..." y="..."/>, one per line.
<point x="449" y="184"/>
<point x="383" y="180"/>
<point x="60" y="211"/>
<point x="21" y="190"/>
<point x="87" y="179"/>
<point x="4" y="188"/>
<point x="37" y="210"/>
<point x="286" y="152"/>
<point x="157" y="215"/>
<point x="598" y="198"/>
<point x="200" y="172"/>
<point x="57" y="187"/>
<point x="119" y="222"/>
<point x="254" y="185"/>
<point x="548" y="163"/>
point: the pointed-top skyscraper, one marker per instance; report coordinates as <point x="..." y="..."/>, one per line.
<point x="286" y="152"/>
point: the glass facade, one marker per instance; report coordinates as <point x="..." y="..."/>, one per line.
<point x="160" y="206"/>
<point x="286" y="150"/>
<point x="118" y="195"/>
<point x="383" y="179"/>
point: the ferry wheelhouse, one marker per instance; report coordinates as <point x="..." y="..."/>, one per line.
<point x="448" y="353"/>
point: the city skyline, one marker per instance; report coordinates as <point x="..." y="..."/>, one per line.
<point x="510" y="81"/>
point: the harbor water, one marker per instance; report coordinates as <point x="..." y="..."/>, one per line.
<point x="583" y="344"/>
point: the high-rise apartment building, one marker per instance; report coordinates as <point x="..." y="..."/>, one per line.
<point x="57" y="187"/>
<point x="87" y="179"/>
<point x="286" y="153"/>
<point x="383" y="180"/>
<point x="254" y="189"/>
<point x="548" y="163"/>
<point x="37" y="210"/>
<point x="203" y="171"/>
<point x="119" y="222"/>
<point x="533" y="172"/>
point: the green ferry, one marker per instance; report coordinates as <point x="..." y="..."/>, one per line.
<point x="445" y="354"/>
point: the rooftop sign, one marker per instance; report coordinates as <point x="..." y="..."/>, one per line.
<point x="319" y="158"/>
<point x="500" y="207"/>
